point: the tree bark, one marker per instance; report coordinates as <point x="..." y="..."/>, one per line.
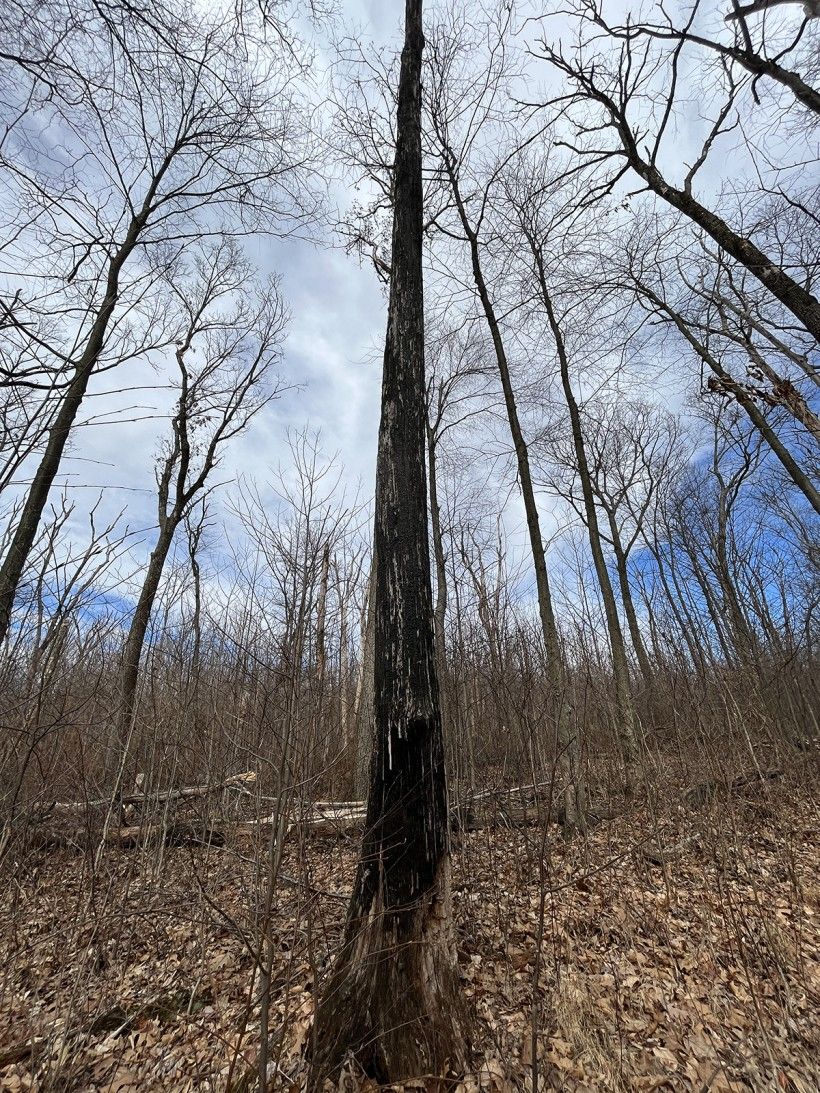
<point x="638" y="645"/>
<point x="440" y="609"/>
<point x="26" y="532"/>
<point x="320" y="741"/>
<point x="568" y="747"/>
<point x="365" y="692"/>
<point x="132" y="650"/>
<point x="782" y="392"/>
<point x="625" y="710"/>
<point x="392" y="1000"/>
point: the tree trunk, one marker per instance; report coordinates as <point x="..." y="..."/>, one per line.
<point x="792" y="295"/>
<point x="783" y="392"/>
<point x="568" y="745"/>
<point x="344" y="675"/>
<point x="628" y="602"/>
<point x="726" y="383"/>
<point x="321" y="740"/>
<point x="392" y="1000"/>
<point x="363" y="714"/>
<point x="132" y="650"/>
<point x="625" y="710"/>
<point x="23" y="539"/>
<point x="440" y="610"/>
<point x="743" y="637"/>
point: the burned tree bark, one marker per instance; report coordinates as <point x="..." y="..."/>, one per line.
<point x="391" y="1002"/>
<point x="363" y="712"/>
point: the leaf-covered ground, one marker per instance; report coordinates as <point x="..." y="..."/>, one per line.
<point x="699" y="970"/>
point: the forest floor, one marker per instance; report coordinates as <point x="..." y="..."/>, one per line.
<point x="701" y="972"/>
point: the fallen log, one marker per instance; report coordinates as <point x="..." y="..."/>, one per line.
<point x="325" y="818"/>
<point x="171" y="834"/>
<point x="710" y="790"/>
<point x="214" y="832"/>
<point x="242" y="782"/>
<point x="509" y="808"/>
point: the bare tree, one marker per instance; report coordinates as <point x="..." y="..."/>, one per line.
<point x="456" y="131"/>
<point x="630" y="447"/>
<point x="722" y="381"/>
<point x="615" y="85"/>
<point x="392" y="998"/>
<point x="752" y="45"/>
<point x="455" y="362"/>
<point x="226" y="348"/>
<point x="201" y="129"/>
<point x="546" y="231"/>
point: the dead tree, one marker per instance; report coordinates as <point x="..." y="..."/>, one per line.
<point x="197" y="133"/>
<point x="237" y="341"/>
<point x="392" y="998"/>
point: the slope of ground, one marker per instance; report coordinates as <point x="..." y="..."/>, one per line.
<point x="672" y="952"/>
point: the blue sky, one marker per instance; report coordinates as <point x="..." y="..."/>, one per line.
<point x="331" y="360"/>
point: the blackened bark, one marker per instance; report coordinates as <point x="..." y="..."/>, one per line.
<point x="392" y="998"/>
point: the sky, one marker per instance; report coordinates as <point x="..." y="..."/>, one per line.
<point x="331" y="366"/>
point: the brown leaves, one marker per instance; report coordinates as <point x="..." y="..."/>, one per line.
<point x="690" y="983"/>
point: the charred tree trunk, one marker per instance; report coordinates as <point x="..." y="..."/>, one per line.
<point x="392" y="1000"/>
<point x="365" y="687"/>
